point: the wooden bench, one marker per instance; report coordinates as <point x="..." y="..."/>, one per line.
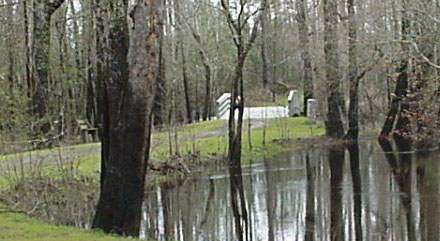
<point x="87" y="132"/>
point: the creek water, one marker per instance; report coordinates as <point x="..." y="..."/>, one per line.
<point x="356" y="193"/>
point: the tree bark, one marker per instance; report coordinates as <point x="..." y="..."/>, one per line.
<point x="11" y="40"/>
<point x="264" y="45"/>
<point x="334" y="127"/>
<point x="207" y="68"/>
<point x="237" y="27"/>
<point x="305" y="52"/>
<point x="43" y="12"/>
<point x="130" y="96"/>
<point x="28" y="77"/>
<point x="353" y="109"/>
<point x="184" y="70"/>
<point x="159" y="106"/>
<point x="101" y="75"/>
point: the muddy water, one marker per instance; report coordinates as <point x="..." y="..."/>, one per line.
<point x="362" y="193"/>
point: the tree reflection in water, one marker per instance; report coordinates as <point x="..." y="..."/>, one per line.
<point x="353" y="150"/>
<point x="321" y="194"/>
<point x="336" y="161"/>
<point x="238" y="204"/>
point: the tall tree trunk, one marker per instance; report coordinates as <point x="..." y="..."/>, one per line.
<point x="102" y="44"/>
<point x="401" y="85"/>
<point x="29" y="84"/>
<point x="237" y="27"/>
<point x="305" y="52"/>
<point x="264" y="45"/>
<point x="11" y="40"/>
<point x="79" y="80"/>
<point x="90" y="66"/>
<point x="43" y="12"/>
<point x="334" y="127"/>
<point x="353" y="110"/>
<point x="185" y="84"/>
<point x="130" y="97"/>
<point x="182" y="55"/>
<point x="207" y="101"/>
<point x="159" y="106"/>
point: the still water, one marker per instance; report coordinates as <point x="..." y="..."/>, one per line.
<point x="356" y="193"/>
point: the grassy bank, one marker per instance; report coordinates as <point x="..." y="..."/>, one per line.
<point x="201" y="142"/>
<point x="262" y="141"/>
<point x="18" y="226"/>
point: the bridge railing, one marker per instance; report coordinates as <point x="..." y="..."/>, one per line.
<point x="223" y="104"/>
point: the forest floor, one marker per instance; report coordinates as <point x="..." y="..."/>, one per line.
<point x="176" y="152"/>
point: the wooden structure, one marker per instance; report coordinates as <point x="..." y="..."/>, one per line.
<point x="87" y="132"/>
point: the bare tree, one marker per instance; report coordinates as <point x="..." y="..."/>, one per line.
<point x="237" y="27"/>
<point x="399" y="103"/>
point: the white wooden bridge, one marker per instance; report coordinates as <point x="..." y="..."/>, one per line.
<point x="268" y="112"/>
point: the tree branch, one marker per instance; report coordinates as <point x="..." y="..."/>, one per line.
<point x="426" y="59"/>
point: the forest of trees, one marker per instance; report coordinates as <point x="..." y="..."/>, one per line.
<point x="53" y="68"/>
<point x="126" y="66"/>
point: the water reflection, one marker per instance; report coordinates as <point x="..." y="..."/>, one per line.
<point x="374" y="193"/>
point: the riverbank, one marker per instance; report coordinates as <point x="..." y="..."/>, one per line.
<point x="176" y="152"/>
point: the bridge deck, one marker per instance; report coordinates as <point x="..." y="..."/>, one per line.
<point x="260" y="112"/>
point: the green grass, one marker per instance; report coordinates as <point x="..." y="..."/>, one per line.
<point x="276" y="129"/>
<point x="17" y="227"/>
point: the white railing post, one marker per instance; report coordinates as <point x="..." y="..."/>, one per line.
<point x="223" y="104"/>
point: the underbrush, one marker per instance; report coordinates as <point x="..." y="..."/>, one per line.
<point x="57" y="201"/>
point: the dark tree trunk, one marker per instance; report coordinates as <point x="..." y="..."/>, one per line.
<point x="28" y="77"/>
<point x="237" y="102"/>
<point x="43" y="12"/>
<point x="334" y="127"/>
<point x="237" y="87"/>
<point x="159" y="107"/>
<point x="264" y="41"/>
<point x="79" y="80"/>
<point x="184" y="70"/>
<point x="353" y="109"/>
<point x="130" y="96"/>
<point x="185" y="84"/>
<point x="101" y="93"/>
<point x="11" y="40"/>
<point x="207" y="67"/>
<point x="305" y="53"/>
<point x="399" y="104"/>
<point x="207" y="102"/>
<point x="90" y="70"/>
